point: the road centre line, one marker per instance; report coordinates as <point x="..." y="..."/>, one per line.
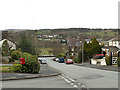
<point x="66" y="79"/>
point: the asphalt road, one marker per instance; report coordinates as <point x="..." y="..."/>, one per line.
<point x="89" y="77"/>
<point x="72" y="77"/>
<point x="46" y="82"/>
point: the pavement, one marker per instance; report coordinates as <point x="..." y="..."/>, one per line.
<point x="6" y="64"/>
<point x="102" y="67"/>
<point x="45" y="71"/>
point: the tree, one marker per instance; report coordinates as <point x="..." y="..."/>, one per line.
<point x="5" y="48"/>
<point x="91" y="49"/>
<point x="80" y="57"/>
<point x="25" y="44"/>
<point x="96" y="48"/>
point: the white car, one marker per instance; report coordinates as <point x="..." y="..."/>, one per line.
<point x="43" y="61"/>
<point x="57" y="59"/>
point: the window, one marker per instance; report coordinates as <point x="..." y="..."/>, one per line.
<point x="72" y="49"/>
<point x="72" y="54"/>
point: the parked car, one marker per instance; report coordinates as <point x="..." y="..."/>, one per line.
<point x="57" y="59"/>
<point x="61" y="60"/>
<point x="54" y="59"/>
<point x="43" y="61"/>
<point x="69" y="61"/>
<point x="98" y="56"/>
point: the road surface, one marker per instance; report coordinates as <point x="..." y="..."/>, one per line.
<point x="90" y="77"/>
<point x="72" y="77"/>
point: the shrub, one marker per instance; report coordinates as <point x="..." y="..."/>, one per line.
<point x="118" y="61"/>
<point x="108" y="60"/>
<point x="16" y="62"/>
<point x="16" y="54"/>
<point x="31" y="64"/>
<point x="76" y="60"/>
<point x="11" y="60"/>
<point x="61" y="55"/>
<point x="17" y="68"/>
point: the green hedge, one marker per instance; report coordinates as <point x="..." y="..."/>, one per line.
<point x="108" y="60"/>
<point x="118" y="61"/>
<point x="17" y="68"/>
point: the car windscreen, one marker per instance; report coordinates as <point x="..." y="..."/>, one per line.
<point x="69" y="60"/>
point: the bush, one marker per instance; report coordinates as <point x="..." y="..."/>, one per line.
<point x="11" y="60"/>
<point x="118" y="61"/>
<point x="16" y="54"/>
<point x="31" y="64"/>
<point x="61" y="55"/>
<point x="17" y="68"/>
<point x="76" y="60"/>
<point x="108" y="60"/>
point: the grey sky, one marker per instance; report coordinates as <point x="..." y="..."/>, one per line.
<point x="39" y="14"/>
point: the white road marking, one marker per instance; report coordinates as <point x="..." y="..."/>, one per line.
<point x="71" y="79"/>
<point x="71" y="83"/>
<point x="83" y="86"/>
<point x="67" y="79"/>
<point x="75" y="86"/>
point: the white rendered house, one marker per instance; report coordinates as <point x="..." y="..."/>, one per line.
<point x="114" y="42"/>
<point x="11" y="44"/>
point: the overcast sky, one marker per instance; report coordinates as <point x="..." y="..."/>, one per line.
<point x="49" y="14"/>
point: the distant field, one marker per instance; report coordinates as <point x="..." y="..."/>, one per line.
<point x="100" y="33"/>
<point x="45" y="51"/>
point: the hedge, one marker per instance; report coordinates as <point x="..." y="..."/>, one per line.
<point x="108" y="60"/>
<point x="118" y="61"/>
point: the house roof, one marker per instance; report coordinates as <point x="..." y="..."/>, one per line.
<point x="9" y="42"/>
<point x="115" y="39"/>
<point x="87" y="40"/>
<point x="73" y="42"/>
<point x="108" y="47"/>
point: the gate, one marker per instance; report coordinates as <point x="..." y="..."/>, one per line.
<point x="114" y="60"/>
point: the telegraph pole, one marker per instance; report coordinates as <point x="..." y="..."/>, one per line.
<point x="36" y="44"/>
<point x="82" y="51"/>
